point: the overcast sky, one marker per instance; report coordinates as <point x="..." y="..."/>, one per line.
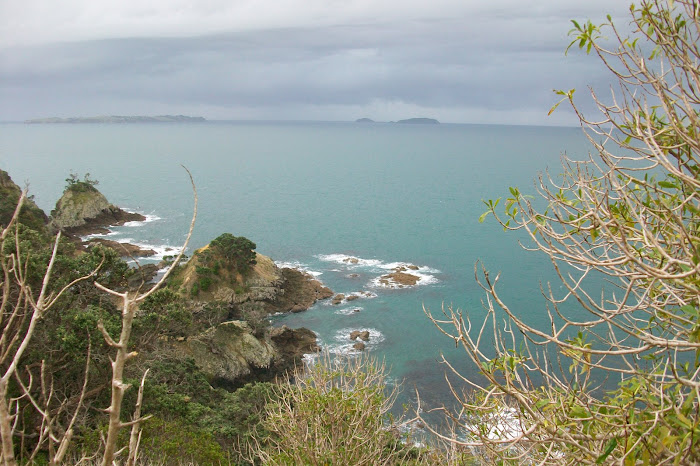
<point x="461" y="61"/>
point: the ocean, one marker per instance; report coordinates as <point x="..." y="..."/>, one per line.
<point x="346" y="202"/>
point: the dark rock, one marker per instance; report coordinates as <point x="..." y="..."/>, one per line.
<point x="359" y="346"/>
<point x="124" y="249"/>
<point x="142" y="277"/>
<point x="337" y="299"/>
<point x="294" y="343"/>
<point x="399" y="278"/>
<point x="353" y="275"/>
<point x="361" y="334"/>
<point x="351" y="297"/>
<point x="300" y="291"/>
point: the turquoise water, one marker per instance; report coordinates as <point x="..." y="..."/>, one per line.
<point x="312" y="194"/>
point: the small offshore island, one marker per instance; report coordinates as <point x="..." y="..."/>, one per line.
<point x="410" y="121"/>
<point x="119" y="119"/>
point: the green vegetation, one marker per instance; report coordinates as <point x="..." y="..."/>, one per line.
<point x="76" y="185"/>
<point x="619" y="380"/>
<point x="30" y="215"/>
<point x="237" y="251"/>
<point x="336" y="413"/>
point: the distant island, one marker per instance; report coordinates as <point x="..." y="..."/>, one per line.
<point x="119" y="119"/>
<point x="414" y="121"/>
<point x="420" y="121"/>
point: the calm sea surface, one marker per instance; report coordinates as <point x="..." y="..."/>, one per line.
<point x="314" y="194"/>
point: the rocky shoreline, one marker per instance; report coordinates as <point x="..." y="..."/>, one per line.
<point x="237" y="347"/>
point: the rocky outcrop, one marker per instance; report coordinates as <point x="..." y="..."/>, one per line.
<point x="263" y="289"/>
<point x="142" y="278"/>
<point x="84" y="210"/>
<point x="361" y="334"/>
<point x="291" y="346"/>
<point x="229" y="352"/>
<point x="400" y="277"/>
<point x="231" y="355"/>
<point x="299" y="291"/>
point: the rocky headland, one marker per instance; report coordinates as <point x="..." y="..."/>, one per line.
<point x="235" y="344"/>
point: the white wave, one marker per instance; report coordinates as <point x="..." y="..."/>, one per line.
<point x="98" y="235"/>
<point x="348" y="311"/>
<point x="139" y="223"/>
<point x="353" y="297"/>
<point x="505" y="424"/>
<point x="388" y="282"/>
<point x="342" y="344"/>
<point x="349" y="261"/>
<point x="425" y="274"/>
<point x="161" y="250"/>
<point x="297" y="266"/>
<point x="410" y="268"/>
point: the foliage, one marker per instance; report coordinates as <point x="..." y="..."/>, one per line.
<point x="76" y="185"/>
<point x="30" y="215"/>
<point x="621" y="384"/>
<point x="65" y="344"/>
<point x="336" y="413"/>
<point x="237" y="251"/>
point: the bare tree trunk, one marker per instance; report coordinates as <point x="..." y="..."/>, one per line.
<point x="8" y="450"/>
<point x="118" y="385"/>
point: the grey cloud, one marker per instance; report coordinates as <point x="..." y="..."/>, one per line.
<point x="506" y="63"/>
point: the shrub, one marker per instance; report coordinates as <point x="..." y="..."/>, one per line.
<point x="336" y="413"/>
<point x="619" y="381"/>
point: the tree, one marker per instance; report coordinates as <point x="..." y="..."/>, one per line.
<point x="619" y="380"/>
<point x="35" y="413"/>
<point x="238" y="251"/>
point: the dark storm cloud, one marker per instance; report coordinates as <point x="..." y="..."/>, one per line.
<point x="496" y="61"/>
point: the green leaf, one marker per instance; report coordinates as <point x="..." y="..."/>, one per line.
<point x="483" y="216"/>
<point x="608" y="449"/>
